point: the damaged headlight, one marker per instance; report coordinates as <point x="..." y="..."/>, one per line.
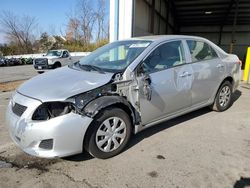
<point x="83" y="99"/>
<point x="52" y="109"/>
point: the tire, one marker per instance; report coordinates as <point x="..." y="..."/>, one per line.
<point x="57" y="65"/>
<point x="223" y="99"/>
<point x="40" y="72"/>
<point x="100" y="138"/>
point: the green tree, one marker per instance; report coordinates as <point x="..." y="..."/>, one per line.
<point x="45" y="42"/>
<point x="59" y="42"/>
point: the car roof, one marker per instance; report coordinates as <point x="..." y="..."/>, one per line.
<point x="166" y="37"/>
<point x="161" y="38"/>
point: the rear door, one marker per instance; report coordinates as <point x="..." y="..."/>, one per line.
<point x="208" y="71"/>
<point x="167" y="79"/>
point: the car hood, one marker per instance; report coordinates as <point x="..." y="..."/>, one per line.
<point x="51" y="57"/>
<point x="62" y="83"/>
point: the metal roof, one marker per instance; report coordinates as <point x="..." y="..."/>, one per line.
<point x="211" y="12"/>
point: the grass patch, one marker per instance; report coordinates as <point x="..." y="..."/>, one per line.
<point x="10" y="86"/>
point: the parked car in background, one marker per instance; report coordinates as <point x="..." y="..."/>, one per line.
<point x="14" y="62"/>
<point x="2" y="62"/>
<point x="122" y="88"/>
<point x="27" y="61"/>
<point x="52" y="60"/>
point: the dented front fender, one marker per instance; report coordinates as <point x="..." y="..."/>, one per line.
<point x="92" y="108"/>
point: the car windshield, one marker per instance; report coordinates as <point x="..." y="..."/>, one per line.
<point x="116" y="56"/>
<point x="54" y="53"/>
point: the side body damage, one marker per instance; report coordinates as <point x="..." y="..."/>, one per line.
<point x="116" y="93"/>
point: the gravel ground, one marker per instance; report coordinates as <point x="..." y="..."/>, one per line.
<point x="4" y="135"/>
<point x="200" y="149"/>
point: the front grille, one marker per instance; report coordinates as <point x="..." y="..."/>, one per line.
<point x="18" y="109"/>
<point x="41" y="61"/>
<point x="46" y="144"/>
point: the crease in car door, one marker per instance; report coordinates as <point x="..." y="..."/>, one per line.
<point x="170" y="87"/>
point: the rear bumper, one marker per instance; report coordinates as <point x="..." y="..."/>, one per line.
<point x="236" y="77"/>
<point x="65" y="132"/>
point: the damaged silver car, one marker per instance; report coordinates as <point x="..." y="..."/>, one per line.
<point x="122" y="88"/>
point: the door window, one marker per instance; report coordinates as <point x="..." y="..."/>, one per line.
<point x="200" y="51"/>
<point x="65" y="54"/>
<point x="165" y="56"/>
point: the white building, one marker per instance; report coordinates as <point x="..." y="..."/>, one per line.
<point x="225" y="22"/>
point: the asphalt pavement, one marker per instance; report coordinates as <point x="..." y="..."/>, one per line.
<point x="14" y="73"/>
<point x="200" y="149"/>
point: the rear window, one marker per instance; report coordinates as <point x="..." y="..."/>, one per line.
<point x="200" y="51"/>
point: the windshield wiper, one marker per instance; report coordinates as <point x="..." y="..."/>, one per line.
<point x="92" y="67"/>
<point x="87" y="67"/>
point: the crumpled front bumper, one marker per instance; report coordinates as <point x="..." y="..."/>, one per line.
<point x="66" y="132"/>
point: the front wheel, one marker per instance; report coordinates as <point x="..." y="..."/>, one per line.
<point x="109" y="133"/>
<point x="57" y="65"/>
<point x="223" y="99"/>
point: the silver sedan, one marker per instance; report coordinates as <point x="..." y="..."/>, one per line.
<point x="95" y="104"/>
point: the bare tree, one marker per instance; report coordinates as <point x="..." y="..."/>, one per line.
<point x="87" y="19"/>
<point x="73" y="30"/>
<point x="88" y="22"/>
<point x="100" y="14"/>
<point x="19" y="30"/>
<point x="52" y="29"/>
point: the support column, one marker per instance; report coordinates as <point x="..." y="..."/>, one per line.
<point x="113" y="20"/>
<point x="152" y="23"/>
<point x="234" y="26"/>
<point x="220" y="35"/>
<point x="121" y="19"/>
<point x="167" y="16"/>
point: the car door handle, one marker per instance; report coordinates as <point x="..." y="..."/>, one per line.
<point x="220" y="66"/>
<point x="185" y="74"/>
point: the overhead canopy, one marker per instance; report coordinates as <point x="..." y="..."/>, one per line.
<point x="225" y="22"/>
<point x="211" y="12"/>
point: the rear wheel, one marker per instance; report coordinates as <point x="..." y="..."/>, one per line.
<point x="223" y="98"/>
<point x="109" y="133"/>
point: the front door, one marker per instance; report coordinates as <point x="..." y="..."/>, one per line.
<point x="165" y="84"/>
<point x="66" y="59"/>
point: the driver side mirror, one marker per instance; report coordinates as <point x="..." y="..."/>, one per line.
<point x="147" y="90"/>
<point x="146" y="81"/>
<point x="141" y="70"/>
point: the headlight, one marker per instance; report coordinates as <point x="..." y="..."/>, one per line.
<point x="50" y="61"/>
<point x="52" y="109"/>
<point x="82" y="100"/>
